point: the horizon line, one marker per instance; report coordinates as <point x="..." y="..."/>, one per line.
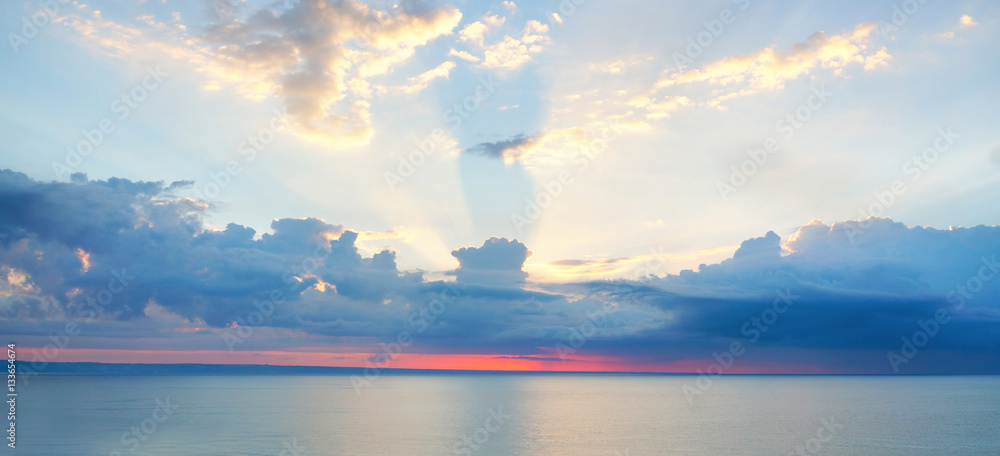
<point x="43" y="371"/>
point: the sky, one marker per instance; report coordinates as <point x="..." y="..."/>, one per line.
<point x="741" y="186"/>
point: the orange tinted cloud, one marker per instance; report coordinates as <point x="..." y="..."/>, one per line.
<point x="770" y="69"/>
<point x="304" y="55"/>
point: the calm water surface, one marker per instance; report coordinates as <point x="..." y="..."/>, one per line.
<point x="507" y="414"/>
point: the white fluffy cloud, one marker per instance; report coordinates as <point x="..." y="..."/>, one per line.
<point x="769" y="69"/>
<point x="317" y="55"/>
<point x="509" y="51"/>
<point x="421" y="81"/>
<point x="709" y="86"/>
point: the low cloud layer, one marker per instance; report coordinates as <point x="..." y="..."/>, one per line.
<point x="133" y="264"/>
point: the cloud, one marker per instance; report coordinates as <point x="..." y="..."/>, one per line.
<point x="767" y="248"/>
<point x="769" y="69"/>
<point x="67" y="247"/>
<point x="508" y="150"/>
<point x="464" y="56"/>
<point x="380" y="358"/>
<point x="317" y="55"/>
<point x="475" y="32"/>
<point x="659" y="108"/>
<point x="145" y="231"/>
<point x="507" y="53"/>
<point x="316" y="33"/>
<point x="511" y="53"/>
<point x="497" y="261"/>
<point x="580" y="269"/>
<point x="154" y="270"/>
<point x="619" y="66"/>
<point x="534" y="358"/>
<point x="420" y="82"/>
<point x="711" y="86"/>
<point x="964" y="22"/>
<point x="555" y="149"/>
<point x="862" y="285"/>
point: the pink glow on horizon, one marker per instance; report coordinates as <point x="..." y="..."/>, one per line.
<point x="498" y="362"/>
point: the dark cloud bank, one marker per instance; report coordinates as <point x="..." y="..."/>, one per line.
<point x="130" y="261"/>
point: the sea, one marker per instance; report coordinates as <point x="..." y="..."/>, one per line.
<point x="507" y="414"/>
